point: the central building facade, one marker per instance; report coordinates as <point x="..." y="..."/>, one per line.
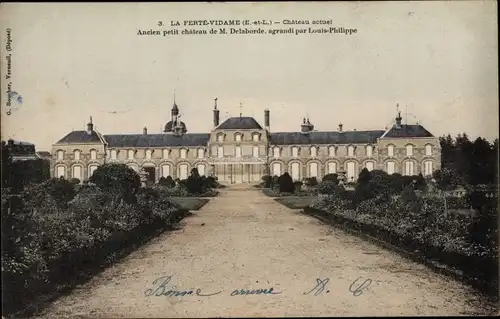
<point x="240" y="150"/>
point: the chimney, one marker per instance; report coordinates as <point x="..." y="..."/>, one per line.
<point x="340" y="127"/>
<point x="398" y="120"/>
<point x="90" y="126"/>
<point x="305" y="126"/>
<point x="216" y="114"/>
<point x="266" y="119"/>
<point x="145" y="130"/>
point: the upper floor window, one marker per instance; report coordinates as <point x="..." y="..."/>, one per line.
<point x="350" y="151"/>
<point x="237" y="151"/>
<point x="131" y="154"/>
<point x="428" y="150"/>
<point x="60" y="155"/>
<point x="108" y="153"/>
<point x="276" y="152"/>
<point x="237" y="137"/>
<point x="255" y="151"/>
<point x="183" y="153"/>
<point x="220" y="138"/>
<point x="409" y="150"/>
<point x="256" y="137"/>
<point x="390" y="150"/>
<point x="220" y="151"/>
<point x="148" y="154"/>
<point x="93" y="154"/>
<point x="331" y="151"/>
<point x="165" y="153"/>
<point x="314" y="151"/>
<point x="369" y="151"/>
<point x="295" y="151"/>
<point x="113" y="154"/>
<point x="77" y="155"/>
<point x="201" y="153"/>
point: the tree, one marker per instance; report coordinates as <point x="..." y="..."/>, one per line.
<point x="118" y="179"/>
<point x="194" y="183"/>
<point x="286" y="184"/>
<point x="363" y="189"/>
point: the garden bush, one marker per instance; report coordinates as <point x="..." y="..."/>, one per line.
<point x="331" y="177"/>
<point x="117" y="178"/>
<point x="285" y="183"/>
<point x="311" y="181"/>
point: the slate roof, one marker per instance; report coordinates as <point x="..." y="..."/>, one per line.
<point x="297" y="138"/>
<point x="407" y="131"/>
<point x="240" y="123"/>
<point x="156" y="140"/>
<point x="79" y="137"/>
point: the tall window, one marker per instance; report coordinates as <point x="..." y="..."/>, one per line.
<point x="369" y="166"/>
<point x="60" y="171"/>
<point x="314" y="151"/>
<point x="369" y="151"/>
<point x="331" y="151"/>
<point x="350" y="151"/>
<point x="390" y="150"/>
<point x="428" y="168"/>
<point x="201" y="153"/>
<point x="77" y="155"/>
<point x="183" y="153"/>
<point x="113" y="154"/>
<point x="148" y="154"/>
<point x="256" y="137"/>
<point x="131" y="154"/>
<point x="238" y="151"/>
<point x="409" y="168"/>
<point x="77" y="172"/>
<point x="93" y="154"/>
<point x="409" y="150"/>
<point x="220" y="138"/>
<point x="255" y="151"/>
<point x="165" y="153"/>
<point x="91" y="169"/>
<point x="276" y="152"/>
<point x="238" y="138"/>
<point x="108" y="153"/>
<point x="60" y="155"/>
<point x="295" y="151"/>
<point x="220" y="151"/>
<point x="332" y="168"/>
<point x="428" y="150"/>
<point x="391" y="168"/>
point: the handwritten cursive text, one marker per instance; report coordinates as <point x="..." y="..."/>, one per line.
<point x="164" y="290"/>
<point x="356" y="291"/>
<point x="320" y="286"/>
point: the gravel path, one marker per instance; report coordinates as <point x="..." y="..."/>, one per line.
<point x="245" y="240"/>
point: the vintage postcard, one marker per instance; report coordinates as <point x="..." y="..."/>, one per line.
<point x="266" y="159"/>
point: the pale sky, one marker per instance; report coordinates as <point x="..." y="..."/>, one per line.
<point x="71" y="61"/>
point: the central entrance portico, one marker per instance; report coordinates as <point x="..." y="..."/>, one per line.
<point x="237" y="171"/>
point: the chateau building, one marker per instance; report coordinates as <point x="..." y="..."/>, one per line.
<point x="240" y="150"/>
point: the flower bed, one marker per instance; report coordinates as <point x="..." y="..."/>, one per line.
<point x="428" y="235"/>
<point x="46" y="246"/>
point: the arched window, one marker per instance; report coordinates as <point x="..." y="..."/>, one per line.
<point x="331" y="151"/>
<point x="108" y="153"/>
<point x="332" y="168"/>
<point x="60" y="155"/>
<point x="183" y="153"/>
<point x="60" y="171"/>
<point x="148" y="154"/>
<point x="428" y="169"/>
<point x="390" y="150"/>
<point x="92" y="168"/>
<point x="391" y="167"/>
<point x="93" y="154"/>
<point x="237" y="137"/>
<point x="220" y="138"/>
<point x="276" y="152"/>
<point x="255" y="137"/>
<point x="350" y="151"/>
<point x="409" y="168"/>
<point x="165" y="153"/>
<point x="295" y="151"/>
<point x="201" y="153"/>
<point x="113" y="154"/>
<point x="77" y="155"/>
<point x="428" y="150"/>
<point x="131" y="154"/>
<point x="369" y="151"/>
<point x="313" y="169"/>
<point x="369" y="166"/>
<point x="77" y="172"/>
<point x="409" y="150"/>
<point x="314" y="151"/>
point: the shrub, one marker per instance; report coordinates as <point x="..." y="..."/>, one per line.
<point x="194" y="183"/>
<point x="118" y="179"/>
<point x="267" y="181"/>
<point x="331" y="177"/>
<point x="311" y="181"/>
<point x="285" y="183"/>
<point x="328" y="187"/>
<point x="297" y="185"/>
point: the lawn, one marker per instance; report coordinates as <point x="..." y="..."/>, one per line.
<point x="296" y="202"/>
<point x="190" y="203"/>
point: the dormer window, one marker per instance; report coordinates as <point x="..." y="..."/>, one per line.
<point x="276" y="152"/>
<point x="369" y="151"/>
<point x="350" y="151"/>
<point x="409" y="150"/>
<point x="183" y="153"/>
<point x="131" y="154"/>
<point x="314" y="151"/>
<point x="60" y="155"/>
<point x="390" y="150"/>
<point x="331" y="151"/>
<point x="77" y="155"/>
<point x="93" y="154"/>
<point x="237" y="137"/>
<point x="428" y="150"/>
<point x="295" y="151"/>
